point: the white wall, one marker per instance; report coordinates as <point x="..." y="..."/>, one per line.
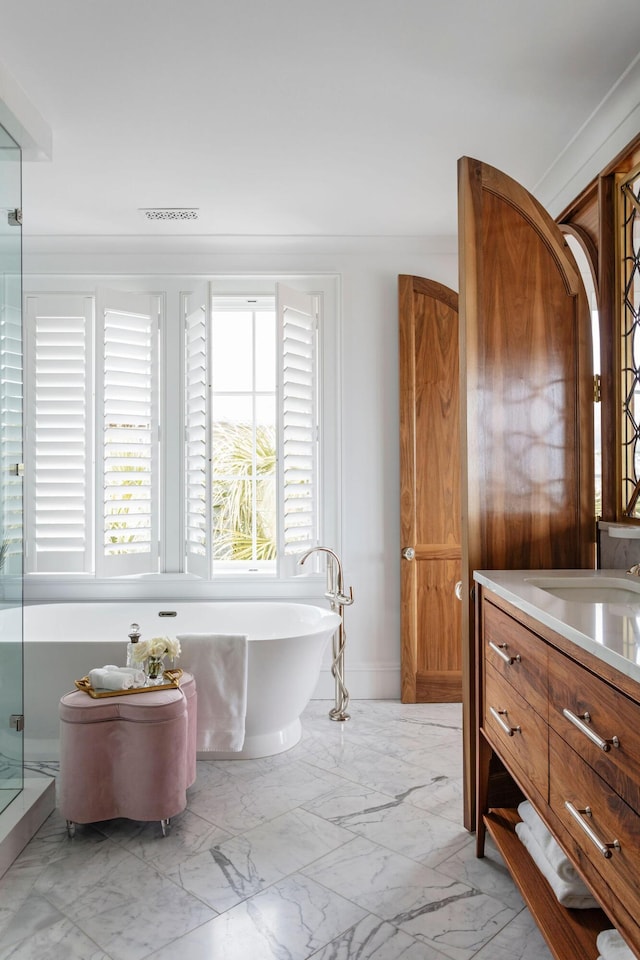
<point x="369" y="267"/>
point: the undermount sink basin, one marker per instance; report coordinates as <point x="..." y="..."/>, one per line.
<point x="590" y="589"/>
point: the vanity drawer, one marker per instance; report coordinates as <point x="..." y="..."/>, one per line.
<point x="517" y="655"/>
<point x="571" y="780"/>
<point x="516" y="731"/>
<point x="608" y="738"/>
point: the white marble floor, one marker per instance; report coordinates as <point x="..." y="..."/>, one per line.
<point x="347" y="847"/>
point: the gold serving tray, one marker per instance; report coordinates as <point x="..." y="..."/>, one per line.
<point x="171" y="676"/>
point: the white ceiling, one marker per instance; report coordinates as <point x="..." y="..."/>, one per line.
<point x="293" y="117"/>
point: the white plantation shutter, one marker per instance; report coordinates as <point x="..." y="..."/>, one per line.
<point x="298" y="441"/>
<point x="11" y="420"/>
<point x="127" y="434"/>
<point x="59" y="476"/>
<point x="197" y="314"/>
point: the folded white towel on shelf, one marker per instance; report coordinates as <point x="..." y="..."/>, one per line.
<point x="138" y="674"/>
<point x="548" y="843"/>
<point x="574" y="894"/>
<point x="102" y="679"/>
<point x="613" y="947"/>
<point x="219" y="665"/>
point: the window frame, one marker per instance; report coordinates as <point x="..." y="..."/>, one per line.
<point x="293" y="582"/>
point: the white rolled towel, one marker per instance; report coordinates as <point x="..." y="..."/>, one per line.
<point x="102" y="679"/>
<point x="613" y="947"/>
<point x="548" y="843"/>
<point x="139" y="676"/>
<point x="575" y="894"/>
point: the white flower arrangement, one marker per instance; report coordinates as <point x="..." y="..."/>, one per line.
<point x="156" y="647"/>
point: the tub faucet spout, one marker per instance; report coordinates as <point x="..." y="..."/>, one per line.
<point x="335" y="584"/>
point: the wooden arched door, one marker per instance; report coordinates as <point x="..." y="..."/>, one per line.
<point x="431" y="649"/>
<point x="526" y="399"/>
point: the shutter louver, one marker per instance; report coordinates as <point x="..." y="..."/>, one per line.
<point x="59" y="478"/>
<point x="128" y="538"/>
<point x="197" y="468"/>
<point x="299" y="425"/>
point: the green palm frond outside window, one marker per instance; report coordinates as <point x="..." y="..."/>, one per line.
<point x="244" y="492"/>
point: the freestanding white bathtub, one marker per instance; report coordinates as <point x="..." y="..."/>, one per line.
<point x="286" y="646"/>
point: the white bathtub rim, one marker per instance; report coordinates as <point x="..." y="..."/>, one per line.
<point x="293" y="625"/>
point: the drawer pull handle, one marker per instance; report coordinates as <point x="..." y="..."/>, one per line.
<point x="579" y="815"/>
<point x="582" y="723"/>
<point x="500" y="648"/>
<point x="498" y="715"/>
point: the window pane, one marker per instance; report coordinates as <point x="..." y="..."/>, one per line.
<point x="266" y="411"/>
<point x="232" y="350"/>
<point x="265" y="351"/>
<point x="266" y="518"/>
<point x="243" y="432"/>
<point x="232" y="519"/>
<point x="230" y="409"/>
<point x="243" y="480"/>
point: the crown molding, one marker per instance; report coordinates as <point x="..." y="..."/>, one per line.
<point x="613" y="124"/>
<point x="189" y="253"/>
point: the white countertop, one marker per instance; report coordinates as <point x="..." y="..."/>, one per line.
<point x="608" y="630"/>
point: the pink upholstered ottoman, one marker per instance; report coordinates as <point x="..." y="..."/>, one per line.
<point x="128" y="756"/>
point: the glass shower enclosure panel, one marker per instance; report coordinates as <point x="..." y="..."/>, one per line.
<point x="11" y="653"/>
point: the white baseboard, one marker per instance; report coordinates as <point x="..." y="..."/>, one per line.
<point x="364" y="682"/>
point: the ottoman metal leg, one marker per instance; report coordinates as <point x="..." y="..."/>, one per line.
<point x="71" y="829"/>
<point x="165" y="826"/>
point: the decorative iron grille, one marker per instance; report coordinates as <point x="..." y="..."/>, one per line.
<point x="630" y="345"/>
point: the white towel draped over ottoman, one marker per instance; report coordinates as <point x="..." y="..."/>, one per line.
<point x="219" y="664"/>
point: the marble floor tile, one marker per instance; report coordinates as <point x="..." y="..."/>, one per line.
<point x="35" y="915"/>
<point x="518" y="940"/>
<point x="240" y="867"/>
<point x="442" y="912"/>
<point x="393" y="822"/>
<point x="241" y="804"/>
<point x="442" y="795"/>
<point x="51" y="843"/>
<point x="188" y="835"/>
<point x="349" y="846"/>
<point x="291" y="919"/>
<point x="58" y="941"/>
<point x="488" y="874"/>
<point x="375" y="939"/>
<point x="372" y="767"/>
<point x="119" y="901"/>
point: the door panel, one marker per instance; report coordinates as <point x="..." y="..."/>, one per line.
<point x="430" y="491"/>
<point x="526" y="399"/>
<point x="438" y="663"/>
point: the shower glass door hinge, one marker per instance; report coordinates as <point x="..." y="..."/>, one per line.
<point x="16" y="722"/>
<point x="15" y="217"/>
<point x="597" y="388"/>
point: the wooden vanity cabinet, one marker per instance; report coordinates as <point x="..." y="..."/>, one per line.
<point x="561" y="728"/>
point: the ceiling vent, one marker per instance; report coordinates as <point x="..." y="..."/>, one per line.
<point x="170" y="213"/>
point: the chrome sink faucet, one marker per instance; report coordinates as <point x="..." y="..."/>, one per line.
<point x="338" y="599"/>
